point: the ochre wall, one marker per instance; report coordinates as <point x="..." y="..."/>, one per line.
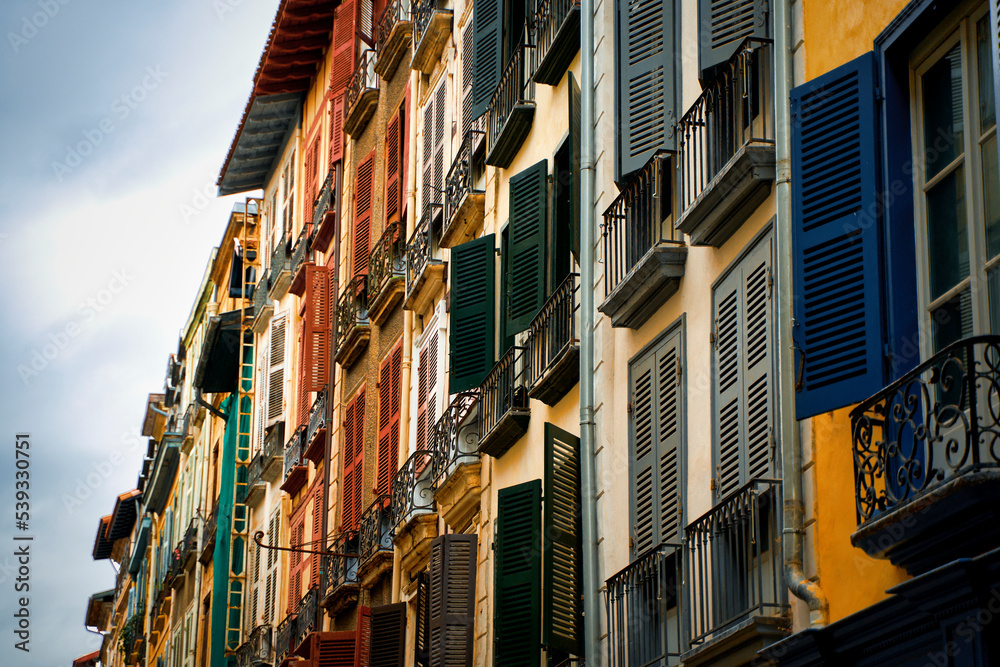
<point x="837" y="32"/>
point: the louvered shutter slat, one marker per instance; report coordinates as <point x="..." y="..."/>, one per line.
<point x="451" y="619"/>
<point x="388" y="435"/>
<point x="487" y="27"/>
<point x="388" y="635"/>
<point x="421" y="639"/>
<point x="439" y="139"/>
<point x="317" y="535"/>
<point x="393" y="149"/>
<point x="724" y="24"/>
<point x="347" y="511"/>
<point x="473" y="297"/>
<point x="756" y="327"/>
<point x="468" y="69"/>
<point x="643" y="454"/>
<point x="342" y="68"/>
<point x="562" y="566"/>
<point x="337" y="129"/>
<point x="363" y="214"/>
<point x="363" y="638"/>
<point x="729" y="384"/>
<point x="276" y="375"/>
<point x="525" y="271"/>
<point x="668" y="438"/>
<point x="517" y="602"/>
<point x="838" y="307"/>
<point x="575" y="122"/>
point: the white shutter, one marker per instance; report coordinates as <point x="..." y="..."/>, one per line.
<point x="276" y="373"/>
<point x="260" y="398"/>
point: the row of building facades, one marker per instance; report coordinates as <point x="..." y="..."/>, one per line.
<point x="395" y="405"/>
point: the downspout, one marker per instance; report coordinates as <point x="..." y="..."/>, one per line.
<point x="588" y="487"/>
<point x="791" y="452"/>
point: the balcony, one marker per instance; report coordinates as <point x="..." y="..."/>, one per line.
<point x="387" y="272"/>
<point x="296" y="467"/>
<point x="263" y="307"/>
<point x="184" y="554"/>
<point x="256" y="486"/>
<point x="644" y="618"/>
<point x="353" y="326"/>
<point x="283" y="638"/>
<point x="258" y="649"/>
<point x="301" y="258"/>
<point x="208" y="535"/>
<point x="132" y="637"/>
<point x="927" y="462"/>
<point x="512" y="109"/>
<point x="465" y="206"/>
<point x="553" y="345"/>
<point x="431" y="28"/>
<point x="273" y="452"/>
<point x="424" y="267"/>
<point x="316" y="430"/>
<point x="281" y="271"/>
<point x="413" y="517"/>
<point x="309" y="620"/>
<point x="362" y="95"/>
<point x="392" y="37"/>
<point x="375" y="540"/>
<point x="325" y="212"/>
<point x="341" y="573"/>
<point x="456" y="465"/>
<point x="557" y="38"/>
<point x="504" y="404"/>
<point x="726" y="147"/>
<point x="734" y="590"/>
<point x="643" y="254"/>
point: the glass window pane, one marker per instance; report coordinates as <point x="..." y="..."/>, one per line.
<point x="991" y="196"/>
<point x="952" y="321"/>
<point x="987" y="105"/>
<point x="947" y="233"/>
<point x="942" y="106"/>
<point x="993" y="279"/>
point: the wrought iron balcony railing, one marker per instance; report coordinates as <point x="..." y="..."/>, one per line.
<point x="732" y="112"/>
<point x="937" y="423"/>
<point x="325" y="212"/>
<point x="300" y="257"/>
<point x="556" y="37"/>
<point x="421" y="251"/>
<point x="317" y="426"/>
<point x="638" y="220"/>
<point x="189" y="543"/>
<point x="261" y="641"/>
<point x="208" y="534"/>
<point x="309" y="616"/>
<point x="352" y="310"/>
<point x="733" y="560"/>
<point x="511" y="109"/>
<point x="281" y="262"/>
<point x="503" y="403"/>
<point x="323" y="200"/>
<point x="459" y="183"/>
<point x="553" y="343"/>
<point x="395" y="12"/>
<point x="287" y="632"/>
<point x="293" y="452"/>
<point x="422" y="13"/>
<point x="255" y="476"/>
<point x="274" y="441"/>
<point x="413" y="489"/>
<point x="375" y="529"/>
<point x="262" y="306"/>
<point x="456" y="436"/>
<point x="387" y="261"/>
<point x="364" y="80"/>
<point x="341" y="571"/>
<point x="644" y="615"/>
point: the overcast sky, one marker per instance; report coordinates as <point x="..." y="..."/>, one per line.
<point x="115" y="118"/>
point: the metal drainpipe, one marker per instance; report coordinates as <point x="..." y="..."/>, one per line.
<point x="791" y="453"/>
<point x="588" y="487"/>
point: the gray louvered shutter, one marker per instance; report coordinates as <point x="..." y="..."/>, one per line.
<point x="452" y="618"/>
<point x="388" y="636"/>
<point x="471" y="326"/>
<point x="723" y="25"/>
<point x="728" y="383"/>
<point x="757" y="372"/>
<point x="487" y="29"/>
<point x="642" y="455"/>
<point x="517" y="601"/>
<point x="562" y="563"/>
<point x="669" y="415"/>
<point x="525" y="270"/>
<point x="645" y="81"/>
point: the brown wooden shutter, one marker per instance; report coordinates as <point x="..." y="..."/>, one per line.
<point x="342" y="68"/>
<point x="452" y="600"/>
<point x="295" y="561"/>
<point x="393" y="150"/>
<point x="317" y="535"/>
<point x="337" y="128"/>
<point x="317" y="326"/>
<point x="311" y="168"/>
<point x="388" y="418"/>
<point x="354" y="429"/>
<point x="421" y="638"/>
<point x="302" y="407"/>
<point x="388" y="636"/>
<point x="363" y="214"/>
<point x="363" y="638"/>
<point x="336" y="649"/>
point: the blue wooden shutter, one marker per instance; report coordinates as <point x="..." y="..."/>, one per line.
<point x="723" y="25"/>
<point x="525" y="270"/>
<point x="517" y="576"/>
<point x="487" y="52"/>
<point x="472" y="283"/>
<point x="838" y="300"/>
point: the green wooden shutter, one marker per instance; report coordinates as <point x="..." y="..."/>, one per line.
<point x="723" y="25"/>
<point x="562" y="561"/>
<point x="836" y="239"/>
<point x="472" y="282"/>
<point x="452" y="618"/>
<point x="574" y="162"/>
<point x="388" y="636"/>
<point x="487" y="54"/>
<point x="517" y="602"/>
<point x="525" y="269"/>
<point x="644" y="81"/>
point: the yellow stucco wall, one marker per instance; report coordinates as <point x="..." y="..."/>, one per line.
<point x="837" y="32"/>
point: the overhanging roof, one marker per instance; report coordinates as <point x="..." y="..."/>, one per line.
<point x="300" y="35"/>
<point x="123" y="516"/>
<point x="88" y="660"/>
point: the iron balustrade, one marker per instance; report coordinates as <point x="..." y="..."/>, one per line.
<point x="308" y="616"/>
<point x="375" y="529"/>
<point x="395" y="12"/>
<point x="413" y="488"/>
<point x="317" y="416"/>
<point x="287" y="631"/>
<point x="189" y="543"/>
<point x="459" y="183"/>
<point x="732" y="112"/>
<point x="935" y="424"/>
<point x="274" y="442"/>
<point x="456" y="435"/>
<point x="255" y="472"/>
<point x="211" y="524"/>
<point x="553" y="331"/>
<point x="261" y="641"/>
<point x="421" y="249"/>
<point x="549" y="18"/>
<point x="260" y="297"/>
<point x="293" y="451"/>
<point x="324" y="200"/>
<point x="341" y="570"/>
<point x="503" y="389"/>
<point x="733" y="560"/>
<point x="644" y="617"/>
<point x="300" y="250"/>
<point x="364" y="78"/>
<point x="245" y="655"/>
<point x="516" y="88"/>
<point x="422" y="13"/>
<point x="280" y="261"/>
<point x="352" y="308"/>
<point x="387" y="261"/>
<point x="638" y="220"/>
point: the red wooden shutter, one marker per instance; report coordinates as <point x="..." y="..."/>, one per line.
<point x="363" y="214"/>
<point x="302" y="406"/>
<point x="317" y="535"/>
<point x="337" y="128"/>
<point x="336" y="649"/>
<point x="393" y="148"/>
<point x="359" y="453"/>
<point x="388" y="419"/>
<point x="295" y="562"/>
<point x="354" y="449"/>
<point x="347" y="512"/>
<point x="342" y="68"/>
<point x="318" y="327"/>
<point x="312" y="157"/>
<point x="363" y="638"/>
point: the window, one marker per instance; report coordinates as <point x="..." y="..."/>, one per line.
<point x="958" y="192"/>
